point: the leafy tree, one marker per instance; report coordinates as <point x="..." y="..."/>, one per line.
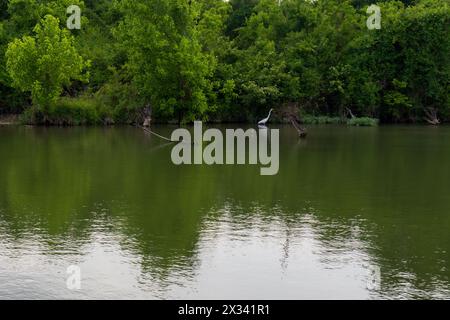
<point x="167" y="62"/>
<point x="44" y="63"/>
<point x="261" y="73"/>
<point x="412" y="58"/>
<point x="18" y="18"/>
<point x="241" y="11"/>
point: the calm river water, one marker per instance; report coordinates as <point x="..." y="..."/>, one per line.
<point x="358" y="213"/>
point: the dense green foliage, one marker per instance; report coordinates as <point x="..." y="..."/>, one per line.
<point x="225" y="61"/>
<point x="44" y="63"/>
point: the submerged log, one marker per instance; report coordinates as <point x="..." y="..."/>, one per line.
<point x="156" y="134"/>
<point x="302" y="132"/>
<point x="291" y="113"/>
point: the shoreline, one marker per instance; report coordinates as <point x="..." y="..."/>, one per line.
<point x="9" y="120"/>
<point x="14" y="120"/>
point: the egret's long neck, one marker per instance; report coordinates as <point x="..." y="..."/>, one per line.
<point x="270" y="112"/>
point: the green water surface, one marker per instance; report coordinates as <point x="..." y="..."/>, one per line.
<point x="346" y="204"/>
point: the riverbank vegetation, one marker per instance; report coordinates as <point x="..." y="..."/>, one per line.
<point x="224" y="61"/>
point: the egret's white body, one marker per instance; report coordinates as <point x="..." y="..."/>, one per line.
<point x="264" y="121"/>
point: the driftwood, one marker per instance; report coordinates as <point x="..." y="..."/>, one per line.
<point x="156" y="134"/>
<point x="147" y="115"/>
<point x="350" y="113"/>
<point x="431" y="116"/>
<point x="147" y="122"/>
<point x="291" y="112"/>
<point x="302" y="133"/>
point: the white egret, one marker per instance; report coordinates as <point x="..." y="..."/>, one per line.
<point x="264" y="121"/>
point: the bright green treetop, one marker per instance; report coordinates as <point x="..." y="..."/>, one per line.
<point x="46" y="62"/>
